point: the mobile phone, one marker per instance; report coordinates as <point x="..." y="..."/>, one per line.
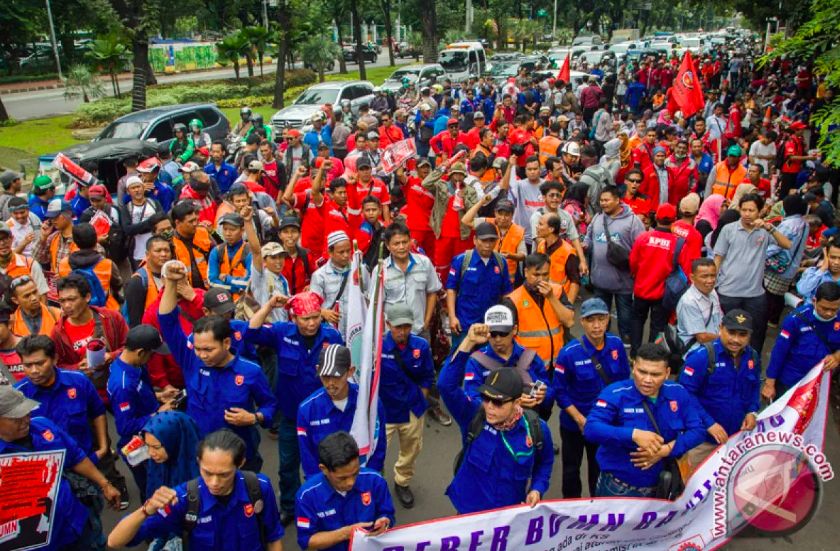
<point x="179" y="400"/>
<point x="535" y="388"/>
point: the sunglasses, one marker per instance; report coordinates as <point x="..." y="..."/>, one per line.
<point x="499" y="334"/>
<point x="634" y="181"/>
<point x="495" y="401"/>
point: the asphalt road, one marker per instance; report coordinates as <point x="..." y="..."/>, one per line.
<point x="46" y="103"/>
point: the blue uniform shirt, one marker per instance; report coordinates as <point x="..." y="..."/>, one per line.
<point x="318" y="417"/>
<point x="38" y="206"/>
<point x="71" y="403"/>
<point x="70" y="515"/>
<point x="483" y="285"/>
<point x="212" y="390"/>
<point x="496" y="469"/>
<point x="475" y="373"/>
<point x="230" y="526"/>
<point x="400" y="394"/>
<point x="132" y="397"/>
<point x="79" y="205"/>
<point x="576" y="381"/>
<point x="802" y="345"/>
<point x="618" y="411"/>
<point x="163" y="193"/>
<point x="319" y="508"/>
<point x="224" y="174"/>
<point x="296" y="374"/>
<point x="730" y="393"/>
<point x="313" y="138"/>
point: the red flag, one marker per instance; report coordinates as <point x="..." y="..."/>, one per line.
<point x="564" y="73"/>
<point x="686" y="95"/>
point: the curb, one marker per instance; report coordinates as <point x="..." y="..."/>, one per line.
<point x="32" y="89"/>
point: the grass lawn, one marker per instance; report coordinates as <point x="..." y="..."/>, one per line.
<point x="22" y="143"/>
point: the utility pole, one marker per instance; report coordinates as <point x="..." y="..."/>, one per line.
<point x="554" y="24"/>
<point x="54" y="43"/>
<point x="265" y="13"/>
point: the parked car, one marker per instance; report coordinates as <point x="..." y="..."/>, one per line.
<point x="406" y="50"/>
<point x="369" y="53"/>
<point x="420" y="75"/>
<point x="315" y="97"/>
<point x="156" y="124"/>
<point x="589" y="40"/>
<point x="107" y="153"/>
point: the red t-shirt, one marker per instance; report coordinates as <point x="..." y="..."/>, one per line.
<point x="418" y="205"/>
<point x="79" y="335"/>
<point x="375" y="187"/>
<point x="693" y="239"/>
<point x="12" y="361"/>
<point x="270" y="178"/>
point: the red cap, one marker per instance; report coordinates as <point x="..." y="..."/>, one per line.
<point x="148" y="165"/>
<point x="451" y="122"/>
<point x="97" y="190"/>
<point x="798" y="125"/>
<point x="666" y="212"/>
<point x="293" y="133"/>
<point x="204" y="151"/>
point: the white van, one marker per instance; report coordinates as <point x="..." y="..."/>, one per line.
<point x="462" y="60"/>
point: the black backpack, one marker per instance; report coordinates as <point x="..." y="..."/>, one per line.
<point x="676" y="284"/>
<point x="477" y="425"/>
<point x="252" y="483"/>
<point x="711" y="359"/>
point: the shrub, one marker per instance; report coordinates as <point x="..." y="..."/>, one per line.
<point x="100" y="112"/>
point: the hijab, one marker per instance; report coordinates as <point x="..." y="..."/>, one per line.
<point x="178" y="434"/>
<point x="710" y="210"/>
<point x="740" y="191"/>
<point x="728" y="217"/>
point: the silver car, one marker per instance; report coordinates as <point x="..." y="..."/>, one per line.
<point x="419" y="75"/>
<point x="310" y="102"/>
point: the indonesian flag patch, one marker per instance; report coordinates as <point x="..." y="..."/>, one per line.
<point x="601" y="404"/>
<point x="301" y="431"/>
<point x="689" y="371"/>
<point x="303" y="522"/>
<point x="784" y="333"/>
<point x="125" y="406"/>
<point x="469" y="376"/>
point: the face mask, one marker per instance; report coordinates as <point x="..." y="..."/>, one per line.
<point x="167" y="234"/>
<point x="820" y="318"/>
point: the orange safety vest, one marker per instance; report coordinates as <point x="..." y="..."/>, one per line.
<point x="18" y="266"/>
<point x="509" y="244"/>
<point x="152" y="290"/>
<point x="235" y="268"/>
<point x="49" y="317"/>
<point x="726" y="181"/>
<point x="202" y="245"/>
<point x="103" y="270"/>
<point x="54" y="251"/>
<point x="548" y="147"/>
<point x="539" y="328"/>
<point x="557" y="271"/>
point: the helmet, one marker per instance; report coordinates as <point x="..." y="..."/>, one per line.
<point x="571" y="148"/>
<point x="180" y="127"/>
<point x="196" y="123"/>
<point x="245" y="113"/>
<point x="345" y="103"/>
<point x="437" y="88"/>
<point x="257" y="119"/>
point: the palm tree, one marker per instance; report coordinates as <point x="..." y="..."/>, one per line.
<point x="319" y="52"/>
<point x="232" y="48"/>
<point x="81" y="82"/>
<point x="259" y="38"/>
<point x="110" y="53"/>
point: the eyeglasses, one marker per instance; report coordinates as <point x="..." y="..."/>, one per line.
<point x="634" y="181"/>
<point x="19" y="281"/>
<point x="553" y="195"/>
<point x="499" y="334"/>
<point x="495" y="401"/>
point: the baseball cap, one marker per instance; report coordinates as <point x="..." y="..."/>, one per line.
<point x="363" y="161"/>
<point x="232" y="218"/>
<point x="43" y="182"/>
<point x="499" y="318"/>
<point x="149" y="165"/>
<point x="458" y="168"/>
<point x="9" y="176"/>
<point x="17" y="203"/>
<point x="272" y="249"/>
<point x="132" y="181"/>
<point x="486" y="230"/>
<point x="666" y="213"/>
<point x="203" y="151"/>
<point x="593" y="307"/>
<point x="571" y="148"/>
<point x="143" y="337"/>
<point x="99" y="190"/>
<point x="399" y="314"/>
<point x="5" y="229"/>
<point x="293" y="133"/>
<point x="57" y="207"/>
<point x="255" y="165"/>
<point x="189" y="167"/>
<point x="478" y="115"/>
<point x="733" y="151"/>
<point x="13" y="404"/>
<point x="373" y="135"/>
<point x="502" y="384"/>
<point x="738" y="320"/>
<point x="499" y="162"/>
<point x="504" y="205"/>
<point x="290" y="221"/>
<point x="452" y="122"/>
<point x="334" y="361"/>
<point x="219" y="301"/>
<point x="423" y="161"/>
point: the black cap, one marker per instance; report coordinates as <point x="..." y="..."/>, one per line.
<point x="504" y="205"/>
<point x="290" y="221"/>
<point x="334" y="361"/>
<point x="363" y="160"/>
<point x="738" y="320"/>
<point x="143" y="337"/>
<point x="17" y="203"/>
<point x="502" y="384"/>
<point x="486" y="230"/>
<point x="232" y="218"/>
<point x="219" y="301"/>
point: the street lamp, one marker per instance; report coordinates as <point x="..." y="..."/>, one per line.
<point x="54" y="43"/>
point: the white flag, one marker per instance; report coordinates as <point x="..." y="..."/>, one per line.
<point x="356" y="306"/>
<point x="366" y="427"/>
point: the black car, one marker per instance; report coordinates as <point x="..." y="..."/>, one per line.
<point x="369" y="53"/>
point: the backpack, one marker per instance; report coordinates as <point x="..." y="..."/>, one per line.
<point x="252" y="483"/>
<point x="676" y="284"/>
<point x="779" y="161"/>
<point x="477" y="425"/>
<point x="711" y="358"/>
<point x="143" y="274"/>
<point x="98" y="296"/>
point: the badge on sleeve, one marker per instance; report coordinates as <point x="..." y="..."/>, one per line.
<point x="416" y="353"/>
<point x="239" y="380"/>
<point x="674" y="406"/>
<point x="837" y="325"/>
<point x="237" y="335"/>
<point x="496" y="269"/>
<point x="615" y="354"/>
<point x="750" y="364"/>
<point x="529" y="442"/>
<point x="71" y="393"/>
<point x="249" y="510"/>
<point x="48" y="435"/>
<point x="365" y="498"/>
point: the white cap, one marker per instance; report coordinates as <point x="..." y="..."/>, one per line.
<point x="336" y="237"/>
<point x="133" y="180"/>
<point x="499" y="318"/>
<point x="571" y="148"/>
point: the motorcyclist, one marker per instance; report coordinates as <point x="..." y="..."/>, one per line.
<point x="347" y="113"/>
<point x="379" y="103"/>
<point x="199" y="137"/>
<point x="182" y="147"/>
<point x="244" y="126"/>
<point x="258" y="125"/>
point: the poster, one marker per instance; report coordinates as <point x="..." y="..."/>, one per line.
<point x="769" y="478"/>
<point x="396" y="154"/>
<point x="29" y="485"/>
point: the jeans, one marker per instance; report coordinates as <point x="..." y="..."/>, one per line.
<point x="755" y="307"/>
<point x="658" y="321"/>
<point x="571" y="451"/>
<point x="624" y="310"/>
<point x="287" y="442"/>
<point x="610" y="486"/>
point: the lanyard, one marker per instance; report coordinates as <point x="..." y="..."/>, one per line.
<point x="517" y="455"/>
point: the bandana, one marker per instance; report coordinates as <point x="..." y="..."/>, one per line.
<point x="305" y="303"/>
<point x="511" y="422"/>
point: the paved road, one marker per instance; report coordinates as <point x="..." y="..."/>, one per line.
<point x="45" y="103"/>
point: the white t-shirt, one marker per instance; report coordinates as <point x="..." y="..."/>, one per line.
<point x="527" y="198"/>
<point x="758" y="148"/>
<point x="139" y="214"/>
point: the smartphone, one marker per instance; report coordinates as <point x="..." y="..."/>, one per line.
<point x="535" y="388"/>
<point x="179" y="400"/>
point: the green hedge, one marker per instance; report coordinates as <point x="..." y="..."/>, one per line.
<point x="13" y="79"/>
<point x="226" y="93"/>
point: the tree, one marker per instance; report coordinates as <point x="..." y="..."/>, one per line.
<point x="232" y="48"/>
<point x="284" y="20"/>
<point x="389" y="29"/>
<point x="319" y="52"/>
<point x="816" y="41"/>
<point x="428" y="20"/>
<point x="415" y="42"/>
<point x="81" y="82"/>
<point x="109" y="53"/>
<point x="357" y="38"/>
<point x="139" y="19"/>
<point x="258" y="38"/>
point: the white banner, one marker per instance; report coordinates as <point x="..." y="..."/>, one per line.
<point x="769" y="478"/>
<point x="356" y="308"/>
